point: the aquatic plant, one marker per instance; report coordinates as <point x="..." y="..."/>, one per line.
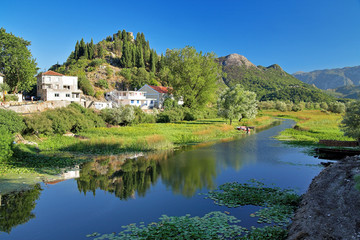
<point x="214" y="225"/>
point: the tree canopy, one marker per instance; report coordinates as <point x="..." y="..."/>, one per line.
<point x="350" y="124"/>
<point x="237" y="103"/>
<point x="16" y="62"/>
<point x="193" y="76"/>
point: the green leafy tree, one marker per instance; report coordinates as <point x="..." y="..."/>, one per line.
<point x="85" y="85"/>
<point x="16" y="62"/>
<point x="76" y="53"/>
<point x="351" y="121"/>
<point x="91" y="49"/>
<point x="193" y="76"/>
<point x="82" y="48"/>
<point x="237" y="103"/>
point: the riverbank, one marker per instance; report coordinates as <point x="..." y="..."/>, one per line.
<point x="328" y="210"/>
<point x="311" y="126"/>
<point x="55" y="154"/>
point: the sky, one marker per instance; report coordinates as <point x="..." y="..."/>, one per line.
<point x="299" y="35"/>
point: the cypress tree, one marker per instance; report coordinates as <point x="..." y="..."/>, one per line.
<point x="133" y="57"/>
<point x="139" y="57"/>
<point x="82" y="48"/>
<point x="119" y="35"/>
<point x="100" y="51"/>
<point x="153" y="61"/>
<point x="91" y="49"/>
<point x="86" y="51"/>
<point x="124" y="36"/>
<point x="76" y="53"/>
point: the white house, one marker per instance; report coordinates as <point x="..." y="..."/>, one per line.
<point x="1" y="78"/>
<point x="133" y="98"/>
<point x="102" y="105"/>
<point x="159" y="93"/>
<point x="53" y="86"/>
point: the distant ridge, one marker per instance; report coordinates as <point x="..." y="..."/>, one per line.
<point x="269" y="83"/>
<point x="331" y="78"/>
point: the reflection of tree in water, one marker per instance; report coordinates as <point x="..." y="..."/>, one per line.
<point x="16" y="208"/>
<point x="123" y="178"/>
<point x="189" y="171"/>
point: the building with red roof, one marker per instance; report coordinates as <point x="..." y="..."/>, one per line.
<point x="159" y="93"/>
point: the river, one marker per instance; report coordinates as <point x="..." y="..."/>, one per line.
<point x="111" y="191"/>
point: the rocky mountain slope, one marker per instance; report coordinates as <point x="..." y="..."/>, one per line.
<point x="331" y="78"/>
<point x="269" y="83"/>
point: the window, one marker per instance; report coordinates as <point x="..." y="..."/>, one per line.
<point x="57" y="95"/>
<point x="132" y="101"/>
<point x="67" y="95"/>
<point x="66" y="87"/>
<point x="137" y="101"/>
<point x="151" y="102"/>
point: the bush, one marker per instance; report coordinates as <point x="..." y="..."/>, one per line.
<point x="281" y="106"/>
<point x="85" y="85"/>
<point x="96" y="62"/>
<point x="11" y="121"/>
<point x="99" y="94"/>
<point x="190" y="114"/>
<point x="163" y="118"/>
<point x="73" y="118"/>
<point x="102" y="84"/>
<point x="109" y="72"/>
<point x="337" y="107"/>
<point x="6" y="139"/>
<point x="123" y="115"/>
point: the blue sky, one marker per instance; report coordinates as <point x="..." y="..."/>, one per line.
<point x="299" y="35"/>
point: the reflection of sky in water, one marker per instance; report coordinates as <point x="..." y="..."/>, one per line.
<point x="146" y="188"/>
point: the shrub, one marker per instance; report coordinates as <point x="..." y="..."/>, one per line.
<point x="96" y="62"/>
<point x="102" y="84"/>
<point x="163" y="118"/>
<point x="324" y="106"/>
<point x="123" y="115"/>
<point x="281" y="106"/>
<point x="85" y="85"/>
<point x="5" y="144"/>
<point x="337" y="107"/>
<point x="189" y="114"/>
<point x="11" y="121"/>
<point x="99" y="94"/>
<point x="109" y="72"/>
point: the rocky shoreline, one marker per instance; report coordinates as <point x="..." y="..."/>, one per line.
<point x="330" y="209"/>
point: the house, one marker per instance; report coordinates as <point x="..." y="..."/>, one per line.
<point x="102" y="105"/>
<point x="159" y="93"/>
<point x="2" y="78"/>
<point x="133" y="98"/>
<point x="53" y="86"/>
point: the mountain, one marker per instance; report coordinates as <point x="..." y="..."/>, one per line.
<point x="349" y="91"/>
<point x="269" y="83"/>
<point x="331" y="78"/>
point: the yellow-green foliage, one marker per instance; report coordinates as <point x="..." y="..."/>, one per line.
<point x="311" y="126"/>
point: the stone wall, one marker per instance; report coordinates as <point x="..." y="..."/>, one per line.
<point x="32" y="107"/>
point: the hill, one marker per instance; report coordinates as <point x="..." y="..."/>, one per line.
<point x="269" y="83"/>
<point x="120" y="61"/>
<point x="331" y="78"/>
<point x="349" y="91"/>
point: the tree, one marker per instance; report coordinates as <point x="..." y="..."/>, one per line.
<point x="236" y="103"/>
<point x="91" y="49"/>
<point x="76" y="53"/>
<point x="351" y="121"/>
<point x="16" y="62"/>
<point x="193" y="76"/>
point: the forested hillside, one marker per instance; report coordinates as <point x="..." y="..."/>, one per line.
<point x="119" y="61"/>
<point x="269" y="83"/>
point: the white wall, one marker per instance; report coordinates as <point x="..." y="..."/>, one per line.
<point x="1" y="79"/>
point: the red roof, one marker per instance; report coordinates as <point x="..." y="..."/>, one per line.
<point x="160" y="89"/>
<point x="52" y="73"/>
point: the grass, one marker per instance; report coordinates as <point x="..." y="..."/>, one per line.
<point x="311" y="126"/>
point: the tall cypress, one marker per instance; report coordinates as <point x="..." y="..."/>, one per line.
<point x="91" y="49"/>
<point x="86" y="51"/>
<point x="76" y="53"/>
<point x="139" y="57"/>
<point x="82" y="48"/>
<point x="153" y="61"/>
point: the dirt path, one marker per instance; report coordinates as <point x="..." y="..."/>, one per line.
<point x="331" y="207"/>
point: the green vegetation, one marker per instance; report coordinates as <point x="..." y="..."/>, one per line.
<point x="193" y="76"/>
<point x="271" y="83"/>
<point x="351" y="122"/>
<point x="279" y="207"/>
<point x="16" y="62"/>
<point x="311" y="126"/>
<point x="73" y="118"/>
<point x="214" y="225"/>
<point x="236" y="103"/>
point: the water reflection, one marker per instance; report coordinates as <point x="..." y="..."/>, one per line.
<point x="184" y="172"/>
<point x="16" y="208"/>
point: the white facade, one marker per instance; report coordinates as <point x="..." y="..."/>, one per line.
<point x="133" y="98"/>
<point x="1" y="78"/>
<point x="102" y="105"/>
<point x="52" y="86"/>
<point x="153" y="94"/>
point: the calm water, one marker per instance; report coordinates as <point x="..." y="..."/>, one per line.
<point x="112" y="192"/>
